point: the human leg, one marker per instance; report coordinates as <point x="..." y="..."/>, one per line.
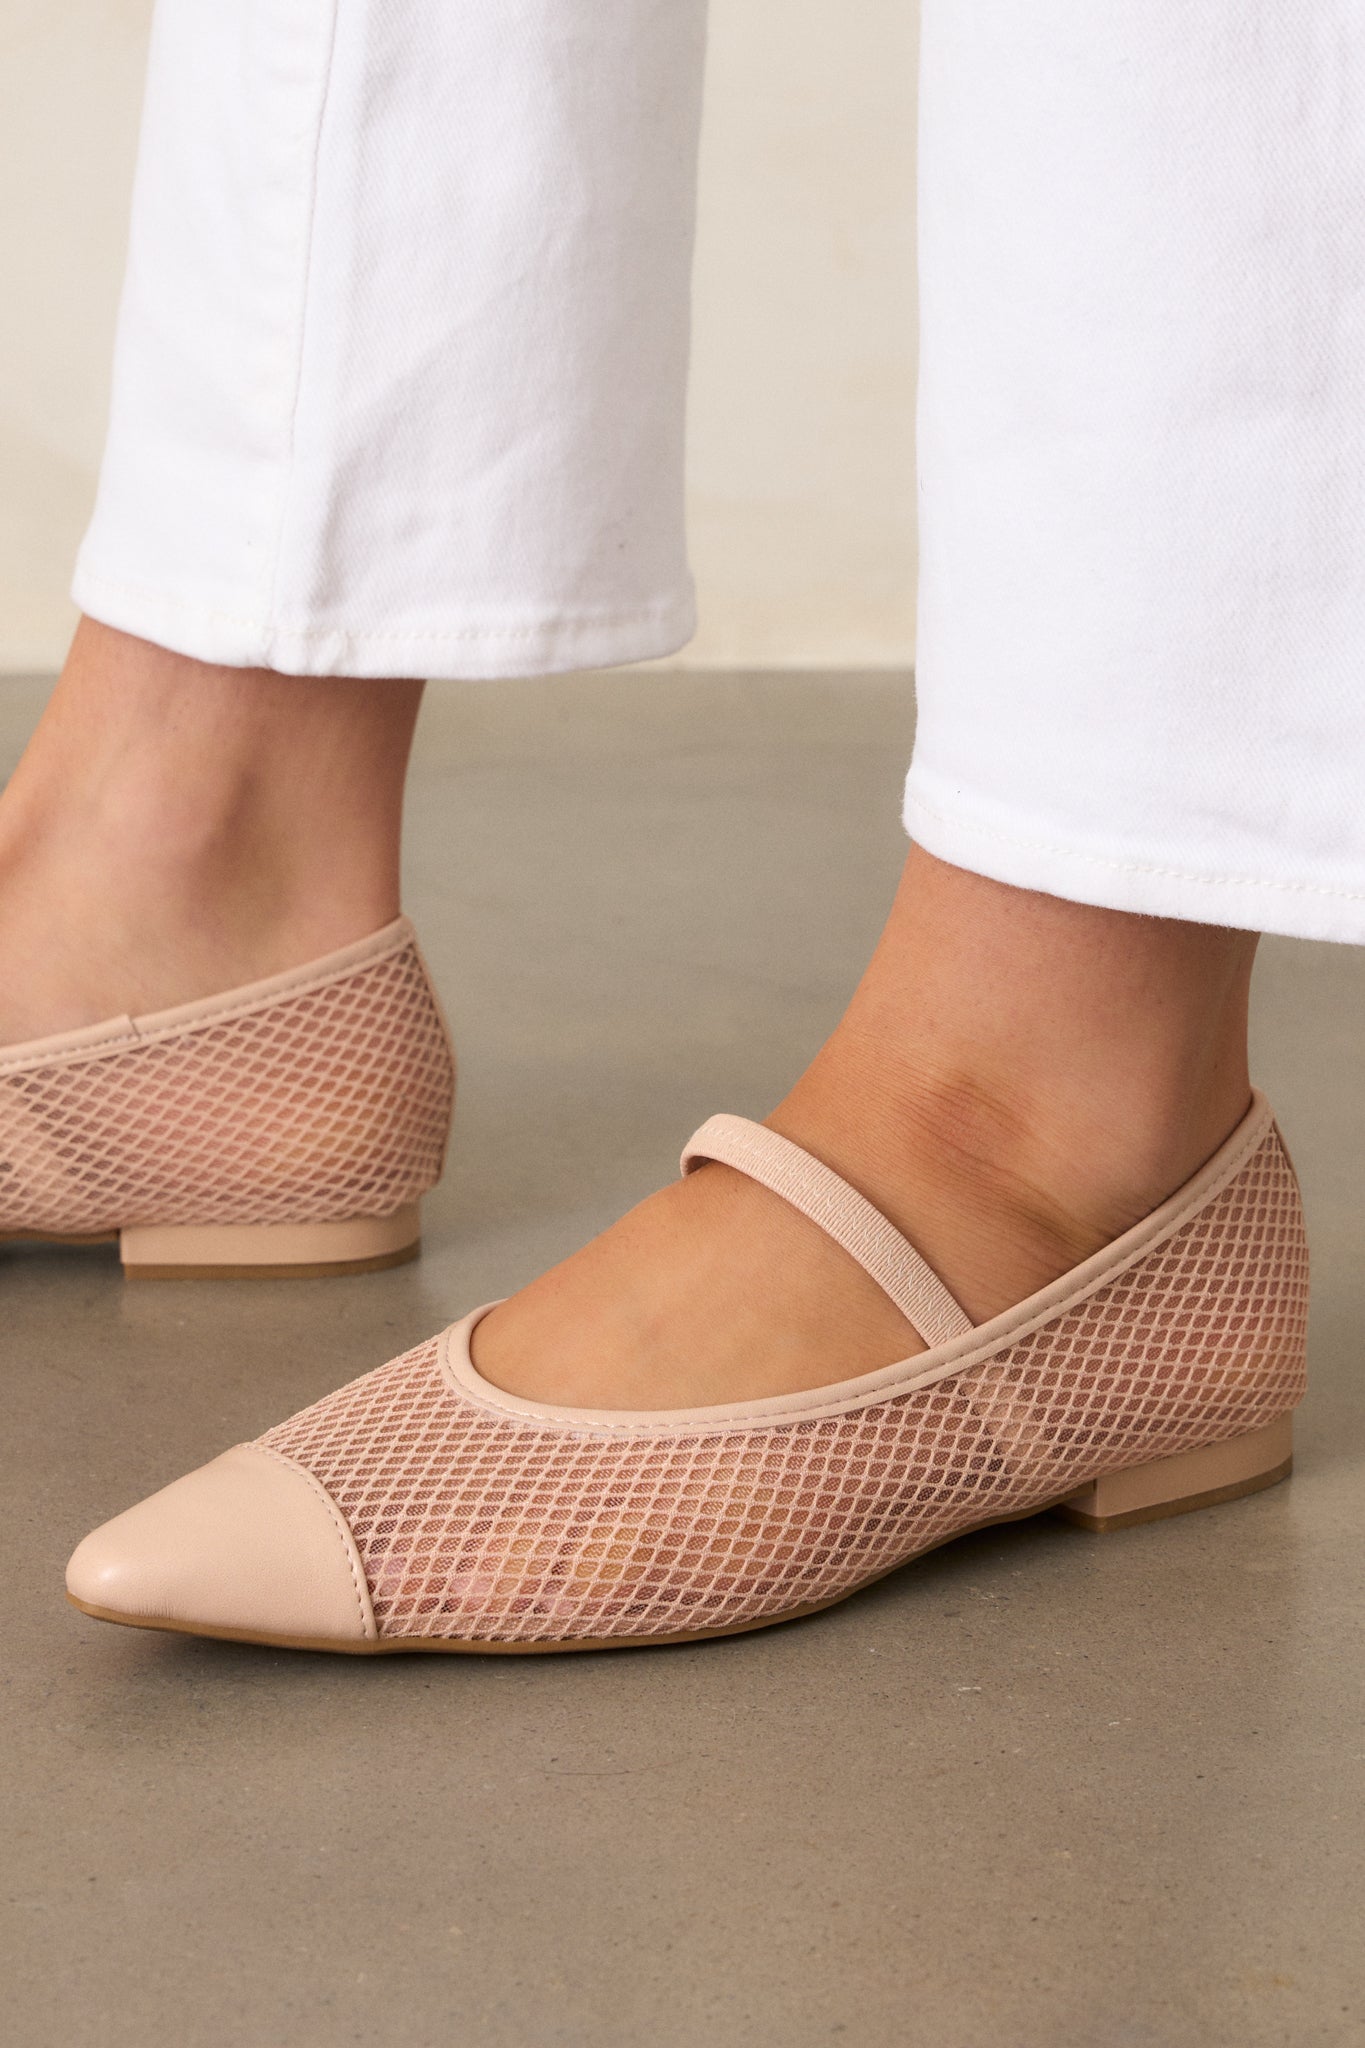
<point x="398" y="392"/>
<point x="218" y="1040"/>
<point x="175" y="829"/>
<point x="1017" y="1080"/>
<point x="521" y="1521"/>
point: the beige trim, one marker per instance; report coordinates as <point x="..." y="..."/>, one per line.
<point x="119" y="1033"/>
<point x="907" y="1375"/>
<point x="817" y="1192"/>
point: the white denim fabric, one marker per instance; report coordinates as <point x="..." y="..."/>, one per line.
<point x="401" y="369"/>
<point x="1141" y="652"/>
<point x="399" y="384"/>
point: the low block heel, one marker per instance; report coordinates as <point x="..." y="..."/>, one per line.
<point x="271" y="1251"/>
<point x="1194" y="1479"/>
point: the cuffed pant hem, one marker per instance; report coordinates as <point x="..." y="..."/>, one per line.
<point x="1124" y="880"/>
<point x="555" y="643"/>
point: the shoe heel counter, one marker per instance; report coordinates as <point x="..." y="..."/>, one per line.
<point x="372" y="1102"/>
<point x="1286" y="1244"/>
<point x="439" y="1067"/>
<point x="1249" y="1308"/>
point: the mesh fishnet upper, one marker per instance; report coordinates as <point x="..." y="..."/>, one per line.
<point x="327" y="1102"/>
<point x="489" y="1527"/>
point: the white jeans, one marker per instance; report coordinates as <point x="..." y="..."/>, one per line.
<point x="402" y="362"/>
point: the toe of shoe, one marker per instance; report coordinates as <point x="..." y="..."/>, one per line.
<point x="249" y="1545"/>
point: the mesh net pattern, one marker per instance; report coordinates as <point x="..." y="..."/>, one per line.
<point x="327" y="1102"/>
<point x="494" y="1528"/>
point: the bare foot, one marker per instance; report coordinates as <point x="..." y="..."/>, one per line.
<point x="712" y="1290"/>
<point x="1017" y="1081"/>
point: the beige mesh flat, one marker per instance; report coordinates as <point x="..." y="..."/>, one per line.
<point x="421" y="1509"/>
<point x="288" y="1127"/>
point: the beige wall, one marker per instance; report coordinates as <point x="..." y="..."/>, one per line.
<point x="802" y="465"/>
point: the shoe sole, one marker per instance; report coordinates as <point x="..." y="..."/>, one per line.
<point x="254" y="1251"/>
<point x="1213" y="1475"/>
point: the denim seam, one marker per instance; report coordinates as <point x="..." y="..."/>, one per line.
<point x="267" y="628"/>
<point x="1128" y="867"/>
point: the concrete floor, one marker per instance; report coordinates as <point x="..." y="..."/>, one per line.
<point x="1043" y="1790"/>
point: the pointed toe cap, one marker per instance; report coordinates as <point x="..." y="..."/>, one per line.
<point x="250" y="1545"/>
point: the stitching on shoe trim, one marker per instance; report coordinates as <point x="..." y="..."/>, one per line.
<point x="65" y="1048"/>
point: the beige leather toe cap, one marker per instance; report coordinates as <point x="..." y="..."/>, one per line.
<point x="250" y="1545"/>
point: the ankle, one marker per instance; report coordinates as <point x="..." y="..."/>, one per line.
<point x="174" y="829"/>
<point x="233" y="848"/>
<point x="173" y="766"/>
<point x="221" y="859"/>
<point x="1117" y="1136"/>
<point x="1006" y="1176"/>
